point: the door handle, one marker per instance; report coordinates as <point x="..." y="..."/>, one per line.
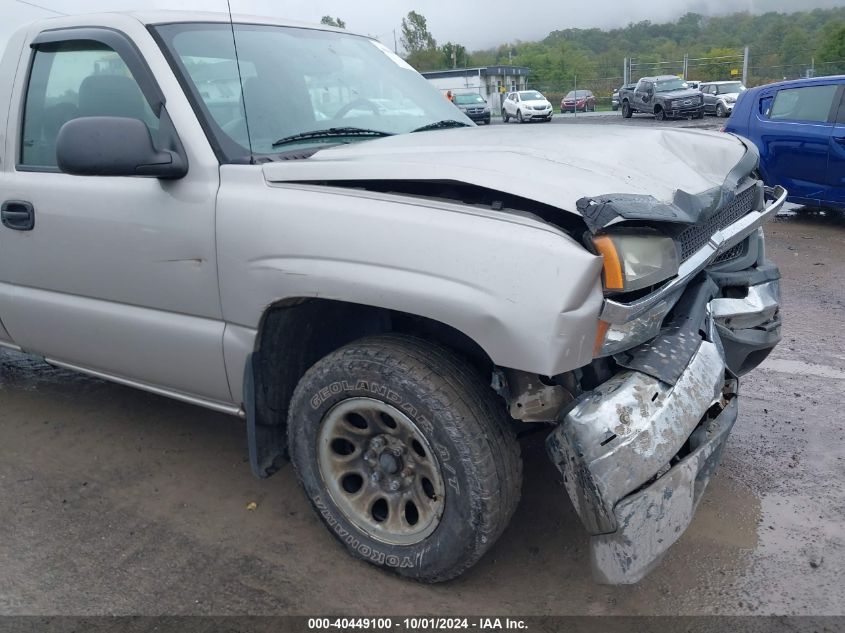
<point x="18" y="215"/>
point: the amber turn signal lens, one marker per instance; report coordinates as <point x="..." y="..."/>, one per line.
<point x="613" y="279"/>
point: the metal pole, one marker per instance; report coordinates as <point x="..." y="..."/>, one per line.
<point x="575" y="111"/>
<point x="395" y="46"/>
<point x="686" y="65"/>
<point x="745" y="67"/>
<point x="625" y="81"/>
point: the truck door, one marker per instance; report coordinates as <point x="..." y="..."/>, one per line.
<point x="112" y="275"/>
<point x="794" y="129"/>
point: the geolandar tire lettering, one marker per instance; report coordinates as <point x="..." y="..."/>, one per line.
<point x="406" y="455"/>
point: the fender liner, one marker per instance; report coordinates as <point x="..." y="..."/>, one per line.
<point x="266" y="440"/>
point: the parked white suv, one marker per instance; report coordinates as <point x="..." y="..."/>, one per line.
<point x="526" y="105"/>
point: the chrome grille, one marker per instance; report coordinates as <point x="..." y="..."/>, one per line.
<point x="695" y="237"/>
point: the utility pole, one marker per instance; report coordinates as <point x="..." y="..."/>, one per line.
<point x="745" y="67"/>
<point x="625" y="81"/>
<point x="686" y="65"/>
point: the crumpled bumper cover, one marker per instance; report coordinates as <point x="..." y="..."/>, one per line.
<point x="637" y="451"/>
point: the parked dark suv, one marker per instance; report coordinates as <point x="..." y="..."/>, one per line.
<point x="474" y="106"/>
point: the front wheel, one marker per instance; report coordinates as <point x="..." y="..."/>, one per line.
<point x="626" y="110"/>
<point x="505" y="117"/>
<point x="659" y="114"/>
<point x="406" y="455"/>
<point x="720" y="110"/>
<point x="519" y="116"/>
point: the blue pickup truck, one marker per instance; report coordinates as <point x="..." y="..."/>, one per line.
<point x="799" y="128"/>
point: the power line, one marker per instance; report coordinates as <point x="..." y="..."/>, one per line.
<point x="38" y="6"/>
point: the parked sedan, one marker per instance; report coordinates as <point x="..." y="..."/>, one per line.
<point x="526" y="105"/>
<point x="720" y="96"/>
<point x="799" y="129"/>
<point x="582" y="100"/>
<point x="474" y="106"/>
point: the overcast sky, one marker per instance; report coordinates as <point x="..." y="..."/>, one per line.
<point x="474" y="23"/>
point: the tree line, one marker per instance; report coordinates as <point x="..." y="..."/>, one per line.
<point x="781" y="46"/>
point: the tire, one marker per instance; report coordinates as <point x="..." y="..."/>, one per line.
<point x="505" y="117"/>
<point x="434" y="399"/>
<point x="626" y="110"/>
<point x="519" y="118"/>
<point x="659" y="114"/>
<point x="720" y="110"/>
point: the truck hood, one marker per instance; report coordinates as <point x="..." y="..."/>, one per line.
<point x="680" y="94"/>
<point x="557" y="165"/>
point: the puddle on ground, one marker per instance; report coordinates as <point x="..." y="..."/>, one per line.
<point x="811" y="215"/>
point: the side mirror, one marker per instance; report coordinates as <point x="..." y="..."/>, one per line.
<point x="114" y="146"/>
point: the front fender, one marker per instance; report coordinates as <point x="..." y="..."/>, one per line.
<point x="524" y="291"/>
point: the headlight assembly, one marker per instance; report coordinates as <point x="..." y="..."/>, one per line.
<point x="636" y="260"/>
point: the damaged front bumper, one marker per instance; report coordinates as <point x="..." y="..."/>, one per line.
<point x="637" y="451"/>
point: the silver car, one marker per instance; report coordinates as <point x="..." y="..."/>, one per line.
<point x="720" y="96"/>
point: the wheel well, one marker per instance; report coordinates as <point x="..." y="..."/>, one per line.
<point x="657" y="108"/>
<point x="294" y="334"/>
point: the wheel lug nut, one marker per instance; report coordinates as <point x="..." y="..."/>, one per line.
<point x="377" y="442"/>
<point x="394" y="485"/>
<point x="375" y="477"/>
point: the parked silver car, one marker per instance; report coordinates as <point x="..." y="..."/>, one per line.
<point x="720" y="96"/>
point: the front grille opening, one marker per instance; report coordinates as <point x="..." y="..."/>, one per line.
<point x="732" y="253"/>
<point x="692" y="239"/>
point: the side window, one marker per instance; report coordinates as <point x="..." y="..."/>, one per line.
<point x="72" y="80"/>
<point x="811" y="103"/>
<point x="766" y="105"/>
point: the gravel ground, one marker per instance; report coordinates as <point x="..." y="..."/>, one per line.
<point x="116" y="501"/>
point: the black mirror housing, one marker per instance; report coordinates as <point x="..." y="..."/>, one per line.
<point x="114" y="146"/>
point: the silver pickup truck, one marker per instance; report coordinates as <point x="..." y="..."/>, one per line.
<point x="301" y="232"/>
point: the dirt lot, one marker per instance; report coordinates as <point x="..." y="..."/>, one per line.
<point x="121" y="502"/>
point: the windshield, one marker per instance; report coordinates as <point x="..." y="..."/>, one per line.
<point x="581" y="94"/>
<point x="531" y="95"/>
<point x="730" y="88"/>
<point x="668" y="85"/>
<point x="469" y="99"/>
<point x="296" y="81"/>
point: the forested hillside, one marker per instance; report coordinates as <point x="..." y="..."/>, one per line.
<point x="781" y="45"/>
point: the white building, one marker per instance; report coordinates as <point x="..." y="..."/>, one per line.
<point x="491" y="82"/>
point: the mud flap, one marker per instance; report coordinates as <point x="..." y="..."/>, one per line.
<point x="266" y="441"/>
